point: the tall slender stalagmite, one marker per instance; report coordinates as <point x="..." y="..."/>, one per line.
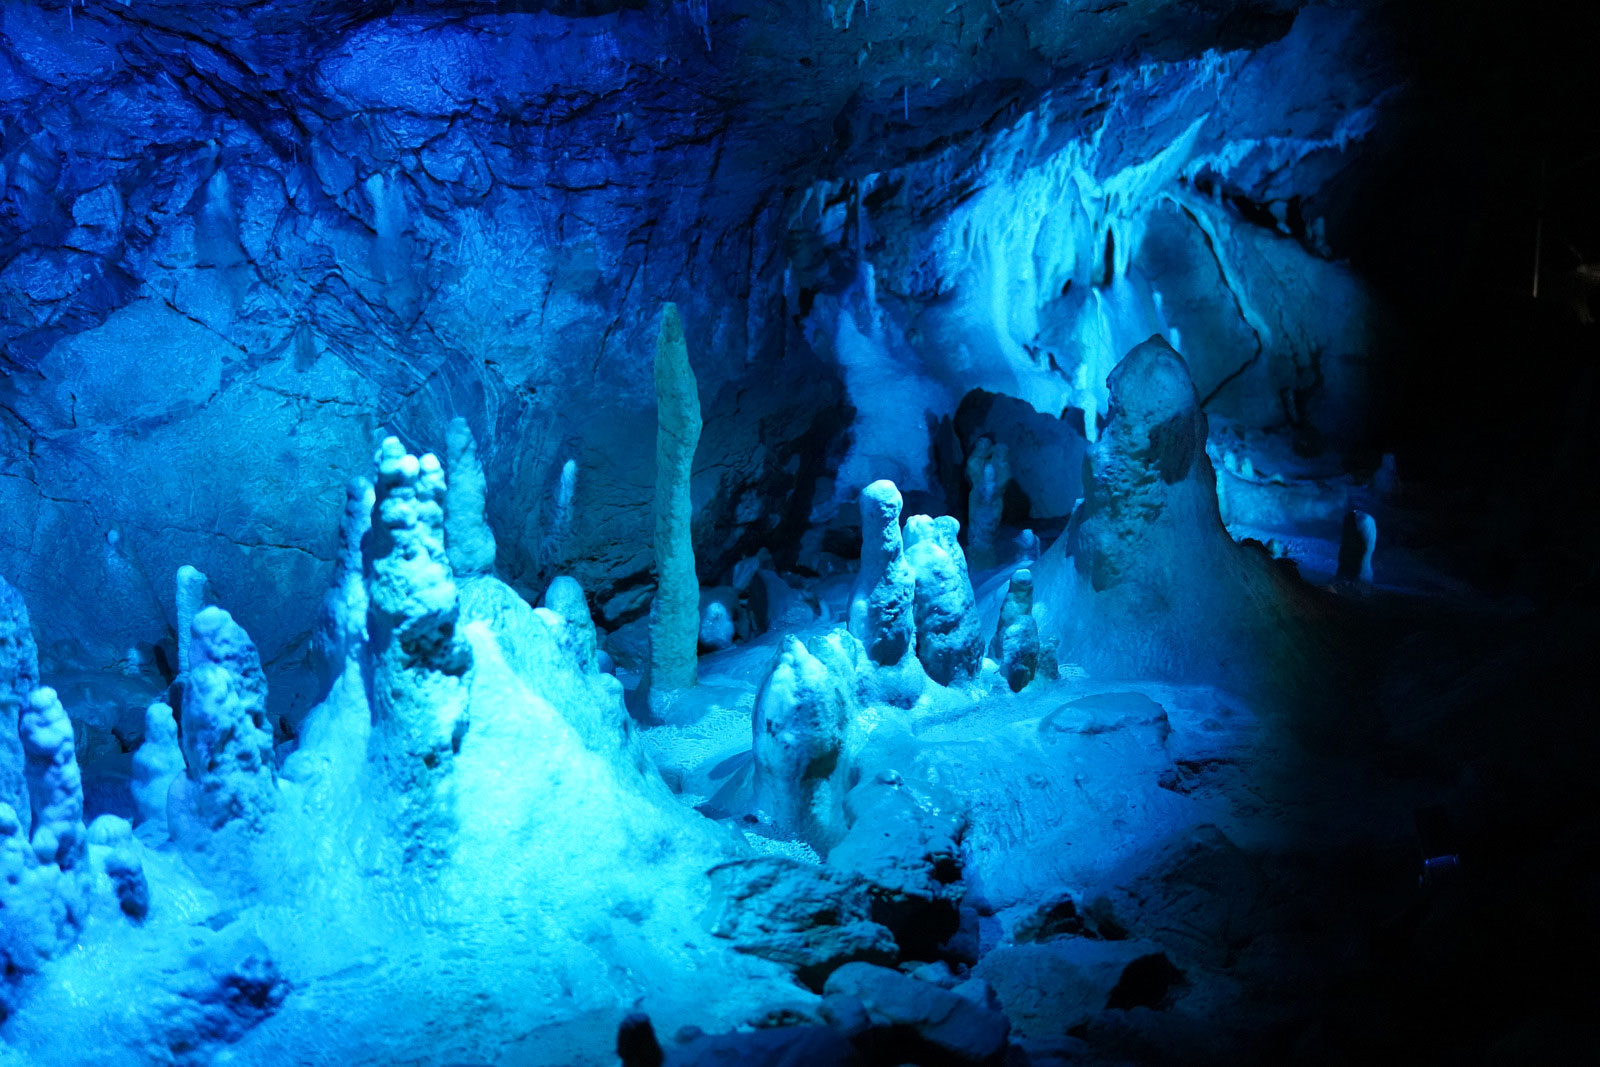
<point x="675" y="614"/>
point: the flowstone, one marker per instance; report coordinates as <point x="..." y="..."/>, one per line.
<point x="1146" y="582"/>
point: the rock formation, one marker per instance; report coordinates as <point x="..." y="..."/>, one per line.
<point x="883" y="603"/>
<point x="227" y="742"/>
<point x="1015" y="646"/>
<point x="46" y="883"/>
<point x="467" y="536"/>
<point x="190" y="598"/>
<point x="55" y="787"/>
<point x="119" y="865"/>
<point x="717" y="608"/>
<point x="675" y="611"/>
<point x="566" y="611"/>
<point x="1146" y="582"/>
<point x="1357" y="539"/>
<point x="19" y="677"/>
<point x="156" y="765"/>
<point x="801" y="725"/>
<point x="420" y="673"/>
<point x="948" y="639"/>
<point x="340" y="638"/>
<point x="988" y="471"/>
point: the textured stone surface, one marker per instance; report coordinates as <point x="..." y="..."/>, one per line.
<point x="809" y="918"/>
<point x="242" y="240"/>
<point x="675" y="609"/>
<point x="948" y="1027"/>
<point x="19" y="676"/>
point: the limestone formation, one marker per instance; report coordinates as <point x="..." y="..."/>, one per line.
<point x="1015" y="646"/>
<point x="191" y="597"/>
<point x="883" y="603"/>
<point x="420" y="673"/>
<point x="227" y="742"/>
<point x="1147" y="582"/>
<point x="1357" y="539"/>
<point x="949" y="640"/>
<point x="119" y="865"/>
<point x="800" y="731"/>
<point x="156" y="765"/>
<point x="43" y="909"/>
<point x="812" y="919"/>
<point x="567" y="613"/>
<point x="340" y="638"/>
<point x="716" y="618"/>
<point x="55" y="787"/>
<point x="19" y="677"/>
<point x="675" y="611"/>
<point x="467" y="536"/>
<point x="988" y="471"/>
<point x="935" y="1025"/>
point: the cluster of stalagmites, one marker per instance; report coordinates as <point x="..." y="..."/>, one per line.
<point x="55" y="872"/>
<point x="913" y="619"/>
<point x="414" y="564"/>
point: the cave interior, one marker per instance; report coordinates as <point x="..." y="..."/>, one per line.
<point x="785" y="532"/>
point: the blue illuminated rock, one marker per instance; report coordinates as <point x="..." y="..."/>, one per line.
<point x="949" y="639"/>
<point x="675" y="609"/>
<point x="988" y="472"/>
<point x="156" y="765"/>
<point x="1357" y="539"/>
<point x="467" y="536"/>
<point x="1015" y="645"/>
<point x="422" y="668"/>
<point x="55" y="785"/>
<point x="1146" y="582"/>
<point x="924" y="1020"/>
<point x="883" y="603"/>
<point x="809" y="918"/>
<point x="19" y="677"/>
<point x="802" y="725"/>
<point x="227" y="741"/>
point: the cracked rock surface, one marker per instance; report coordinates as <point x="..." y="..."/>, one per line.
<point x="242" y="241"/>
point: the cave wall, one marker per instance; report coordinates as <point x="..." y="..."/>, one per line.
<point x="242" y="241"/>
<point x="1203" y="198"/>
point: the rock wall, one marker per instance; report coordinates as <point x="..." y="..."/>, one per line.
<point x="243" y="242"/>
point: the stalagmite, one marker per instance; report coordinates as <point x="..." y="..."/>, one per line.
<point x="19" y="677"/>
<point x="227" y="743"/>
<point x="1016" y="640"/>
<point x="191" y="597"/>
<point x="675" y="612"/>
<point x="717" y="608"/>
<point x="882" y="605"/>
<point x="1147" y="581"/>
<point x="420" y="674"/>
<point x="566" y="610"/>
<point x="117" y="859"/>
<point x="802" y="715"/>
<point x="340" y="638"/>
<point x="55" y="786"/>
<point x="988" y="471"/>
<point x="949" y="641"/>
<point x="467" y="536"/>
<point x="1357" y="540"/>
<point x="156" y="765"/>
